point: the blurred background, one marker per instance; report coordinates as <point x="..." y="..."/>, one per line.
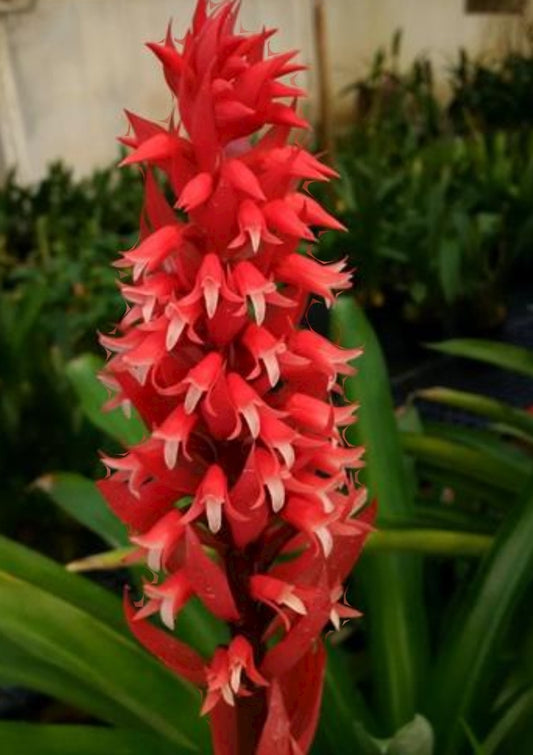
<point x="426" y="111"/>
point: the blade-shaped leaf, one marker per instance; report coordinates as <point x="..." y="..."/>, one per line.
<point x="82" y="373"/>
<point x="461" y="679"/>
<point x="27" y="565"/>
<point x="22" y="669"/>
<point x="75" y="642"/>
<point x="504" y="355"/>
<point x="428" y="542"/>
<point x="344" y="716"/>
<point x="80" y="498"/>
<point x="392" y="582"/>
<point x="498" y="411"/>
<point x="38" y="739"/>
<point x="458" y="458"/>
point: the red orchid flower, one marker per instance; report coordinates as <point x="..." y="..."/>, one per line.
<point x="241" y="494"/>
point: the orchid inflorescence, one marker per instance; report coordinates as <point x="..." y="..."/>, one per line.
<point x="242" y="494"/>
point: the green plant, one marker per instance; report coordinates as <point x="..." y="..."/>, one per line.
<point x="443" y="652"/>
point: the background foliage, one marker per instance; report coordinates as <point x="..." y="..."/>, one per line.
<point x="438" y="200"/>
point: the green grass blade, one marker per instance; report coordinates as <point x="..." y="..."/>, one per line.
<point x="81" y="373"/>
<point x="456" y="458"/>
<point x="39" y="739"/>
<point x="466" y="663"/>
<point x="22" y="669"/>
<point x="392" y="582"/>
<point x="505" y="355"/>
<point x="81" y="499"/>
<point x="428" y="542"/>
<point x="344" y="716"/>
<point x="483" y="406"/>
<point x="27" y="565"/>
<point x="520" y="711"/>
<point x="111" y="664"/>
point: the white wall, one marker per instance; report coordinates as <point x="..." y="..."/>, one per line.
<point x="68" y="67"/>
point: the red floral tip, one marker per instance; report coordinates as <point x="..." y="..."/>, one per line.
<point x="241" y="494"/>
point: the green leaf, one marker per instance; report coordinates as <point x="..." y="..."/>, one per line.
<point x="110" y="663"/>
<point x="428" y="542"/>
<point x="505" y="355"/>
<point x="483" y="406"/>
<point x="22" y="669"/>
<point x="108" y="560"/>
<point x="80" y="498"/>
<point x="465" y="666"/>
<point x="48" y="635"/>
<point x="344" y="717"/>
<point x="81" y="373"/>
<point x="37" y="570"/>
<point x="415" y="738"/>
<point x="39" y="739"/>
<point x="456" y="458"/>
<point x="520" y="711"/>
<point x="392" y="582"/>
<point x="449" y="264"/>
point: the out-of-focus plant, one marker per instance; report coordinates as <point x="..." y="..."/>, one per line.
<point x="56" y="288"/>
<point x="439" y="222"/>
<point x="494" y="94"/>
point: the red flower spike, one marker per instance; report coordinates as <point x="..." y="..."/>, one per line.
<point x="243" y="409"/>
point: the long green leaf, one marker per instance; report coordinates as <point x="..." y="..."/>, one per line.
<point x="22" y="669"/>
<point x="75" y="642"/>
<point x="392" y="582"/>
<point x="344" y="717"/>
<point x="80" y="498"/>
<point x="483" y="406"/>
<point x="465" y="666"/>
<point x="81" y="373"/>
<point x="459" y="459"/>
<point x="500" y="354"/>
<point x="38" y="739"/>
<point x="428" y="542"/>
<point x="519" y="711"/>
<point x="42" y="572"/>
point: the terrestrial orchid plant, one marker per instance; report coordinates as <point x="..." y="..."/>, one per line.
<point x="241" y="495"/>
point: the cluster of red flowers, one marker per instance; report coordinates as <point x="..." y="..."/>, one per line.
<point x="240" y="495"/>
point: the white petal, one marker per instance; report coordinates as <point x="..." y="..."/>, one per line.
<point x="167" y="613"/>
<point x="294" y="602"/>
<point x="276" y="488"/>
<point x="335" y="619"/>
<point x="324" y="535"/>
<point x="235" y="682"/>
<point x="213" y="510"/>
<point x="251" y="415"/>
<point x="171" y="453"/>
<point x="193" y="396"/>
<point x="154" y="559"/>
<point x="227" y="695"/>
<point x="259" y="305"/>
<point x="255" y="237"/>
<point x="211" y="293"/>
<point x="287" y="452"/>
<point x="272" y="367"/>
<point x="175" y="329"/>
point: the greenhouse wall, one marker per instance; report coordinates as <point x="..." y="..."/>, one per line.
<point x="67" y="67"/>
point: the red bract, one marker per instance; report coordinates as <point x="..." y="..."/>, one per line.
<point x="240" y="494"/>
